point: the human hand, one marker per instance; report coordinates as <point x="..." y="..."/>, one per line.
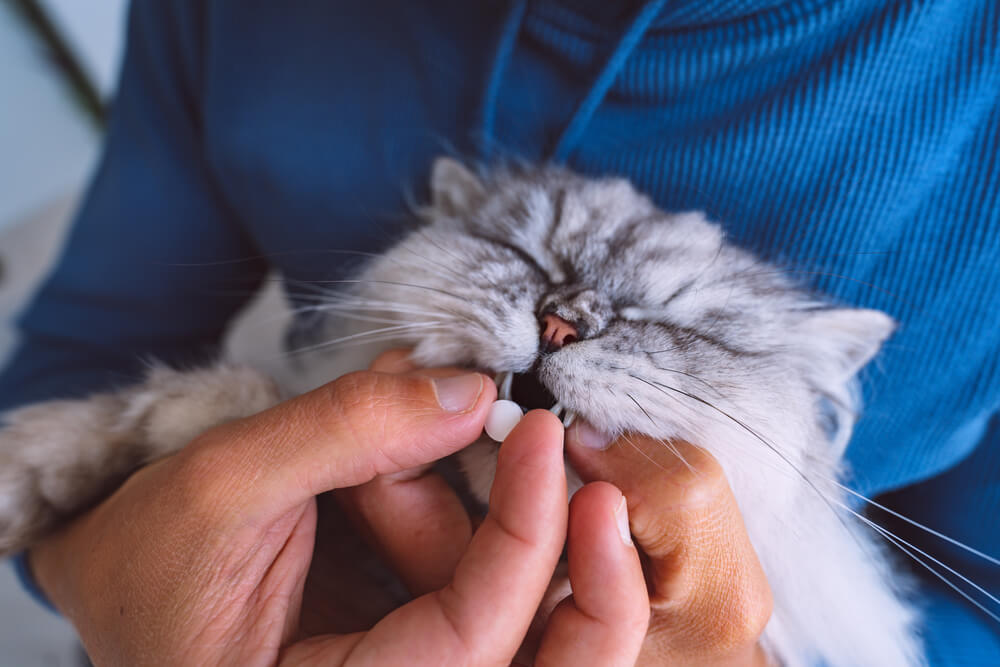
<point x="201" y="557"/>
<point x="709" y="598"/>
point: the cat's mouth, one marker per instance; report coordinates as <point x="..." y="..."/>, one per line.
<point x="525" y="390"/>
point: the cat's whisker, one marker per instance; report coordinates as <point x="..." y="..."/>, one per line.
<point x="342" y="304"/>
<point x="381" y="338"/>
<point x="908" y="549"/>
<point x="427" y="267"/>
<point x="669" y="445"/>
<point x="916" y="524"/>
<point x="454" y="273"/>
<point x="335" y="298"/>
<point x="365" y="335"/>
<point x="374" y="304"/>
<point x="756" y="435"/>
<point x="692" y="376"/>
<point x="831" y="502"/>
<point x="422" y="233"/>
<point x="663" y="351"/>
<point x="887" y="533"/>
<point x="395" y="283"/>
<point x="637" y="448"/>
<point x="403" y="308"/>
<point x="377" y="309"/>
<point x="905" y="546"/>
<point x="940" y="576"/>
<point x="354" y="313"/>
<point x="459" y="260"/>
<point x="366" y="318"/>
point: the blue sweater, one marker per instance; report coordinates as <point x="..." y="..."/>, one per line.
<point x="856" y="141"/>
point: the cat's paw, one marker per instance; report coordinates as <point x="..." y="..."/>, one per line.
<point x="55" y="457"/>
<point x="173" y="407"/>
<point x="23" y="512"/>
<point x="59" y="457"/>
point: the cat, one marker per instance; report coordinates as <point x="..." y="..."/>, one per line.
<point x="674" y="332"/>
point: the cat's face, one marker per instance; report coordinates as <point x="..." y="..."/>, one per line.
<point x="670" y="326"/>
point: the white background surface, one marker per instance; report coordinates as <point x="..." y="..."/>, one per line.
<point x="46" y="153"/>
<point x="46" y="148"/>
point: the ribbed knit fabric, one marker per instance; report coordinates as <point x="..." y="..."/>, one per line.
<point x="855" y="141"/>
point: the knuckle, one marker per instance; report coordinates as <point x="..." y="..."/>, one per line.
<point x="463" y="640"/>
<point x="745" y="616"/>
<point x="705" y="482"/>
<point x="701" y="504"/>
<point x="349" y="390"/>
<point x="375" y="409"/>
<point x="759" y="608"/>
<point x="355" y="407"/>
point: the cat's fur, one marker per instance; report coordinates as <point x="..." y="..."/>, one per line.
<point x="686" y="337"/>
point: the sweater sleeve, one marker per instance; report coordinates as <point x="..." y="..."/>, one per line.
<point x="955" y="633"/>
<point x="146" y="271"/>
<point x="955" y="503"/>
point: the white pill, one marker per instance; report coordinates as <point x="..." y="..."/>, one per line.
<point x="502" y="419"/>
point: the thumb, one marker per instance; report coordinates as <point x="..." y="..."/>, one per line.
<point x="707" y="590"/>
<point x="342" y="434"/>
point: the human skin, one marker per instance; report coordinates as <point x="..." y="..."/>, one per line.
<point x="709" y="598"/>
<point x="202" y="557"/>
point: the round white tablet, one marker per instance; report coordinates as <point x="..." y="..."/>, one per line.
<point x="502" y="419"/>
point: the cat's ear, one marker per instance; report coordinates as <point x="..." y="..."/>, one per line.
<point x="845" y="339"/>
<point x="454" y="189"/>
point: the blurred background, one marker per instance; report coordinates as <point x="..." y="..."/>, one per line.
<point x="58" y="65"/>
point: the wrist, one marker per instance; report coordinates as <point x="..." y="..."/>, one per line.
<point x="46" y="569"/>
<point x="26" y="575"/>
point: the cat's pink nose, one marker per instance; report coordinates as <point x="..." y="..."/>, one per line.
<point x="556" y="332"/>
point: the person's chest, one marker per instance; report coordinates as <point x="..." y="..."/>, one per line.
<point x="840" y="153"/>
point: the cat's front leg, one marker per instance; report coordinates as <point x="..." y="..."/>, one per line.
<point x="59" y="457"/>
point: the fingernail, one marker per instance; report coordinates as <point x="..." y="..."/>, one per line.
<point x="621" y="518"/>
<point x="460" y="392"/>
<point x="587" y="436"/>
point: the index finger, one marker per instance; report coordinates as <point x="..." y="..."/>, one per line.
<point x="483" y="614"/>
<point x="500" y="582"/>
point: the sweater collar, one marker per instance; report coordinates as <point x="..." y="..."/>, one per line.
<point x="676" y="14"/>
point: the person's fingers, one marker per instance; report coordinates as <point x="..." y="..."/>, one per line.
<point x="417" y="523"/>
<point x="342" y="434"/>
<point x="604" y="621"/>
<point x="414" y="518"/>
<point x="709" y="596"/>
<point x="501" y="579"/>
<point x="482" y="615"/>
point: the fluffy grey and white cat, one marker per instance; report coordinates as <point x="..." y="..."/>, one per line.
<point x="678" y="334"/>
